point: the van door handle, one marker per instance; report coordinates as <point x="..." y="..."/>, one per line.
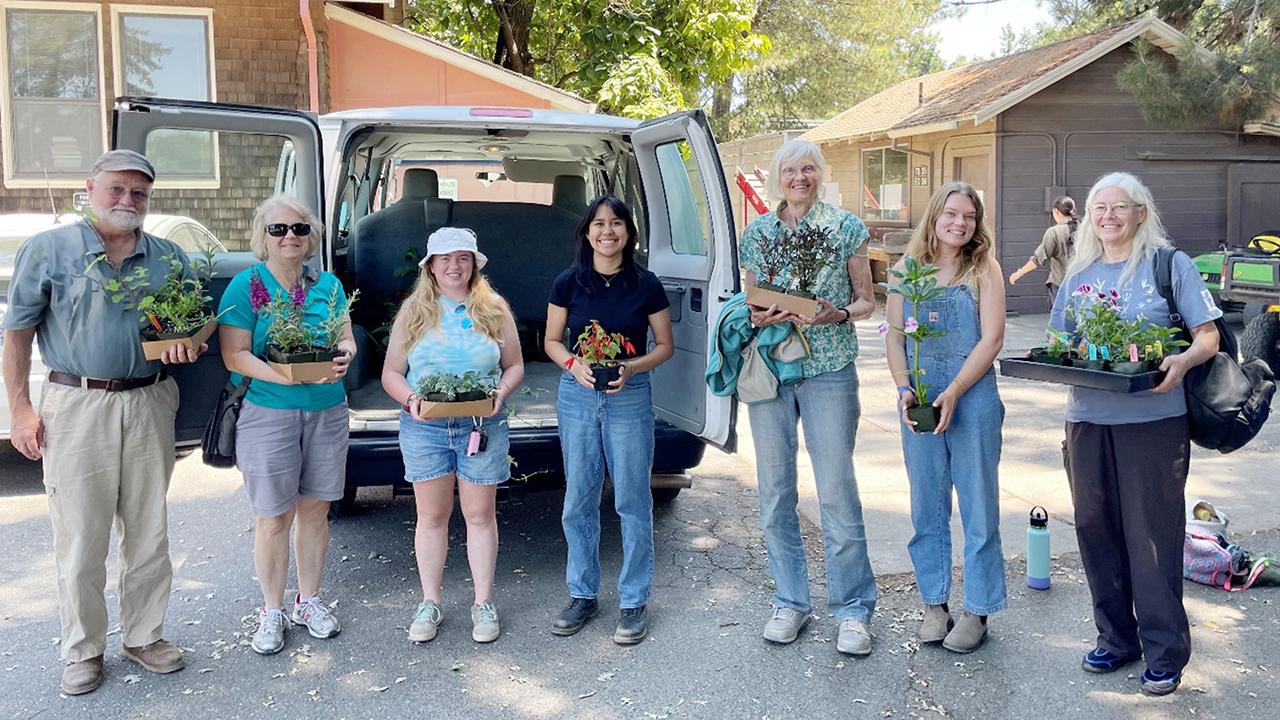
<point x="695" y="300"/>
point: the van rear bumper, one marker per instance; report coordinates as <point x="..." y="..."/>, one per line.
<point x="373" y="457"/>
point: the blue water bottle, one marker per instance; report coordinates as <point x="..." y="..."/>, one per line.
<point x="1038" y="549"/>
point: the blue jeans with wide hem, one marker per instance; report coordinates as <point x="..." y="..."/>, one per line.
<point x="827" y="407"/>
<point x="614" y="432"/>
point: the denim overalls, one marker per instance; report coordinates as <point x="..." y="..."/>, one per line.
<point x="965" y="456"/>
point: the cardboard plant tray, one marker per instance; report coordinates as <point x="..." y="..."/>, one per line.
<point x="760" y="297"/>
<point x="467" y="408"/>
<point x="1021" y="367"/>
<point x="153" y="349"/>
<point x="304" y="372"/>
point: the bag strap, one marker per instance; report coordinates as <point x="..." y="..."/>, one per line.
<point x="1164" y="282"/>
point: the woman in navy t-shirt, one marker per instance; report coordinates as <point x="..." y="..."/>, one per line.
<point x="607" y="429"/>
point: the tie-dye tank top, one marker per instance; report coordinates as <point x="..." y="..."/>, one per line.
<point x="456" y="346"/>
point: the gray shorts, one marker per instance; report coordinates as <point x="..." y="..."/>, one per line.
<point x="284" y="454"/>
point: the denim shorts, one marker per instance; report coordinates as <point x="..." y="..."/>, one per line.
<point x="434" y="448"/>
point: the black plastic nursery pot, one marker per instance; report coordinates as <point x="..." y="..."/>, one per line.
<point x="925" y="417"/>
<point x="155" y="344"/>
<point x="466" y="396"/>
<point x="274" y="354"/>
<point x="605" y="374"/>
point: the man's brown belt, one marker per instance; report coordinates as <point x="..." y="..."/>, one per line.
<point x="118" y="385"/>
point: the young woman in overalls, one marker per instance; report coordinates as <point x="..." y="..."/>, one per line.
<point x="963" y="452"/>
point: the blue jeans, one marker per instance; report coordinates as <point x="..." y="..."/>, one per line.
<point x="827" y="404"/>
<point x="599" y="431"/>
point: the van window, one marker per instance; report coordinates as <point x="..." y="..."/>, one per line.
<point x="471" y="181"/>
<point x="686" y="198"/>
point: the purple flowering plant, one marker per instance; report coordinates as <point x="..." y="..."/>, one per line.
<point x="288" y="332"/>
<point x="1099" y="322"/>
<point x="917" y="283"/>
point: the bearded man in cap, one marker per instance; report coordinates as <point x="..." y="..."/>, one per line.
<point x="105" y="424"/>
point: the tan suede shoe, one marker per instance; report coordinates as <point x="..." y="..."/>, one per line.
<point x="160" y="656"/>
<point x="82" y="677"/>
<point x="967" y="635"/>
<point x="937" y="623"/>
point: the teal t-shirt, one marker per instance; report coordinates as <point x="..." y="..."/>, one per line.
<point x="238" y="306"/>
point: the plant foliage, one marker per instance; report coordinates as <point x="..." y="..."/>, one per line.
<point x="917" y="283"/>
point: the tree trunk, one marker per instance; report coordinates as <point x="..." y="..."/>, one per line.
<point x="722" y="98"/>
<point x="511" y="47"/>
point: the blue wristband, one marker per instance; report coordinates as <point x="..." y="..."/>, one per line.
<point x="905" y="388"/>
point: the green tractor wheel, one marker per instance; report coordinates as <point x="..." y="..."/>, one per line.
<point x="1261" y="339"/>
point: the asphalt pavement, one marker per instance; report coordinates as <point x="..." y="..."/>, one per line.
<point x="704" y="657"/>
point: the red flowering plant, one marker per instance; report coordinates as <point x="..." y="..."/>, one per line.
<point x="600" y="349"/>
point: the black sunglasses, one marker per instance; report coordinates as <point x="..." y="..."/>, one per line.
<point x="282" y="229"/>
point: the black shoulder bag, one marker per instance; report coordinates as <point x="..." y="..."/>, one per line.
<point x="219" y="443"/>
<point x="1228" y="402"/>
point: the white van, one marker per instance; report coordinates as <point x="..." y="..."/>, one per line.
<point x="383" y="179"/>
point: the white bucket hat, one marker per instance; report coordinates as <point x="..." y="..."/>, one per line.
<point x="451" y="239"/>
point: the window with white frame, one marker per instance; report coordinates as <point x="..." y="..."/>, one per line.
<point x="885" y="185"/>
<point x="52" y="92"/>
<point x="167" y="52"/>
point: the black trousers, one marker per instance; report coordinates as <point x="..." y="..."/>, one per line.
<point x="1128" y="483"/>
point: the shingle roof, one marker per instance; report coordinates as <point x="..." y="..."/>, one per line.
<point x="967" y="93"/>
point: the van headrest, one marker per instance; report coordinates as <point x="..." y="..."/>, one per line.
<point x="420" y="184"/>
<point x="569" y="192"/>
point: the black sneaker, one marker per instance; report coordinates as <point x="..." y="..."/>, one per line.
<point x="574" y="616"/>
<point x="1100" y="661"/>
<point x="1155" y="682"/>
<point x="631" y="626"/>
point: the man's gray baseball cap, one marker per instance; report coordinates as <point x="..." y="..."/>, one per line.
<point x="121" y="161"/>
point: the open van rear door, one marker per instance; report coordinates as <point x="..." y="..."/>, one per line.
<point x="692" y="248"/>
<point x="242" y="144"/>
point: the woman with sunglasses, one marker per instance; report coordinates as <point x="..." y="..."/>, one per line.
<point x="454" y="323"/>
<point x="291" y="439"/>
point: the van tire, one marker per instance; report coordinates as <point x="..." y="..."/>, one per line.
<point x="346" y="506"/>
<point x="1261" y="339"/>
<point x="664" y="495"/>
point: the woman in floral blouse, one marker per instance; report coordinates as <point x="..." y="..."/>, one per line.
<point x="825" y="400"/>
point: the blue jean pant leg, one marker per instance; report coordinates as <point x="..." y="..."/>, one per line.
<point x="829" y="413"/>
<point x="975" y="461"/>
<point x="827" y="405"/>
<point x="628" y="447"/>
<point x="578" y="413"/>
<point x="929" y="477"/>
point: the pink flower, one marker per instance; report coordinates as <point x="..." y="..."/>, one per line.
<point x="910" y="325"/>
<point x="1084" y="290"/>
<point x="884" y="329"/>
<point x="299" y="295"/>
<point x="1115" y="294"/>
<point x="258" y="295"/>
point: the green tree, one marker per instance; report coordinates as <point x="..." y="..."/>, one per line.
<point x="642" y="57"/>
<point x="826" y="56"/>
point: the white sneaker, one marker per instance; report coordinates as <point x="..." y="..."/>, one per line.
<point x="785" y="625"/>
<point x="854" y="637"/>
<point x="484" y="622"/>
<point x="315" y="616"/>
<point x="426" y="622"/>
<point x="268" y="639"/>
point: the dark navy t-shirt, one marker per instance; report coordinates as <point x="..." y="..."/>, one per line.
<point x="623" y="306"/>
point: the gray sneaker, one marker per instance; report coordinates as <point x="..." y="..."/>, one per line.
<point x="854" y="637"/>
<point x="484" y="622"/>
<point x="268" y="639"/>
<point x="315" y="616"/>
<point x="426" y="622"/>
<point x="785" y="625"/>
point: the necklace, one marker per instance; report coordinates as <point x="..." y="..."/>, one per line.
<point x="608" y="279"/>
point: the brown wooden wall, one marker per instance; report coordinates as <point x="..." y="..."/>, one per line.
<point x="1087" y="126"/>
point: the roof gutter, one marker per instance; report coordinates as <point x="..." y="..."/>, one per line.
<point x="313" y="55"/>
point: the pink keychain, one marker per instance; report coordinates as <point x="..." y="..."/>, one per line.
<point x="473" y="443"/>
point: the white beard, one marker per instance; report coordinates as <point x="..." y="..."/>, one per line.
<point x="124" y="220"/>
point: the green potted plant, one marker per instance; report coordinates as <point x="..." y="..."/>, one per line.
<point x="295" y="349"/>
<point x="601" y="349"/>
<point x="177" y="312"/>
<point x="448" y="395"/>
<point x="790" y="269"/>
<point x="1099" y="327"/>
<point x="916" y="283"/>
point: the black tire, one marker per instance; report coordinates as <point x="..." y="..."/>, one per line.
<point x="1261" y="339"/>
<point x="183" y="452"/>
<point x="664" y="495"/>
<point x="346" y="505"/>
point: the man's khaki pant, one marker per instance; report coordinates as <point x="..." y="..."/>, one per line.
<point x="109" y="455"/>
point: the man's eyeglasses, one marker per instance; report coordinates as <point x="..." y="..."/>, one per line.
<point x="282" y="229"/>
<point x="139" y="197"/>
<point x="1120" y="208"/>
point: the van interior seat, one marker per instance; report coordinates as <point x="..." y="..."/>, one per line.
<point x="528" y="245"/>
<point x="385" y="238"/>
<point x="569" y="193"/>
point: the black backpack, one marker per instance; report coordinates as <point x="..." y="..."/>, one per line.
<point x="1228" y="402"/>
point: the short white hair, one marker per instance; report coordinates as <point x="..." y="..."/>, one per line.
<point x="258" y="233"/>
<point x="795" y="151"/>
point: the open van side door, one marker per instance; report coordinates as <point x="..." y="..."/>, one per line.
<point x="241" y="138"/>
<point x="693" y="250"/>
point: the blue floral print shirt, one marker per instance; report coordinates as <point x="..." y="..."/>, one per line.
<point x="832" y="346"/>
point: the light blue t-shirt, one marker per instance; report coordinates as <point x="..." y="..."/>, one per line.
<point x="238" y="306"/>
<point x="455" y="346"/>
<point x="1140" y="296"/>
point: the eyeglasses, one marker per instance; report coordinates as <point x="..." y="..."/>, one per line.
<point x="790" y="172"/>
<point x="282" y="229"/>
<point x="1120" y="208"/>
<point x="139" y="197"/>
